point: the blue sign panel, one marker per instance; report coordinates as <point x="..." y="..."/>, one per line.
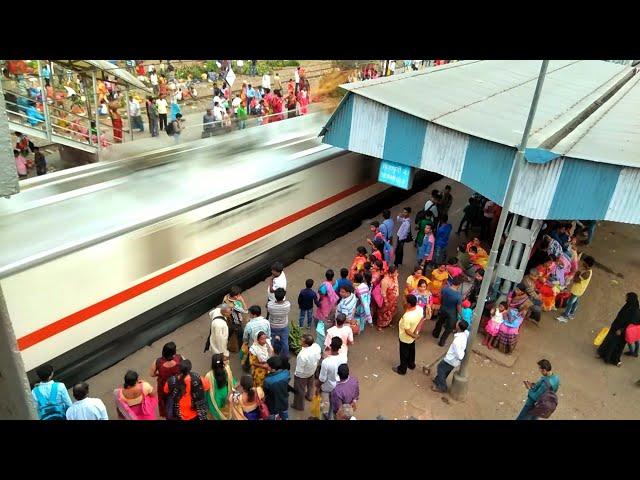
<point x="396" y="174"/>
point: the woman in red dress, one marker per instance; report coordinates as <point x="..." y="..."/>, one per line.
<point x="164" y="368"/>
<point x="390" y="293"/>
<point x="116" y="122"/>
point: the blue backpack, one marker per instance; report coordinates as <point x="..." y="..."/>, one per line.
<point x="49" y="409"/>
<point x="388" y="252"/>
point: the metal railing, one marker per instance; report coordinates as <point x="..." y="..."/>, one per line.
<point x="219" y="127"/>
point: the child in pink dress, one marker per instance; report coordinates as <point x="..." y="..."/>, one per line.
<point x="493" y="325"/>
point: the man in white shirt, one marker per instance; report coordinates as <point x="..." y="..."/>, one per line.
<point x="277" y="280"/>
<point x="432" y="204"/>
<point x="153" y="77"/>
<point x="306" y="366"/>
<point x="219" y="332"/>
<point x="134" y="113"/>
<point x="340" y="329"/>
<point x="266" y="81"/>
<point x="235" y="103"/>
<point x="86" y="408"/>
<point x="162" y="105"/>
<point x="329" y="376"/>
<point x="217" y="114"/>
<point x="454" y="356"/>
<point x="296" y="74"/>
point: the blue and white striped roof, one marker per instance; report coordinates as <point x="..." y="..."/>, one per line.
<point x="419" y="129"/>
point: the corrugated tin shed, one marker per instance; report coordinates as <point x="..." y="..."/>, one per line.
<point x="104" y="69"/>
<point x="465" y="120"/>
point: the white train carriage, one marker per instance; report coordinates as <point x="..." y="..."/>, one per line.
<point x="139" y="255"/>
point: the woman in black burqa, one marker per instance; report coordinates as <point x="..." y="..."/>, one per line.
<point x="614" y="342"/>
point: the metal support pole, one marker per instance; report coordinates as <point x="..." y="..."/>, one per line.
<point x="460" y="384"/>
<point x="126" y="99"/>
<point x="94" y="88"/>
<point x="8" y="172"/>
<point x="45" y="103"/>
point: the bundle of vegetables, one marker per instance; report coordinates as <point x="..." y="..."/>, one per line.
<point x="295" y="337"/>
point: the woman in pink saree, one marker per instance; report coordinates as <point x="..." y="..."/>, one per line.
<point x="328" y="299"/>
<point x="303" y="100"/>
<point x="136" y="400"/>
<point x="390" y="292"/>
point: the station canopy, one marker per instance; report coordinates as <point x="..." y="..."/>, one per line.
<point x="465" y="120"/>
<point x="105" y="71"/>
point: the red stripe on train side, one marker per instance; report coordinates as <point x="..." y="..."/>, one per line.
<point x="102" y="306"/>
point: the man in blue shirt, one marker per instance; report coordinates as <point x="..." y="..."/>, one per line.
<point x="343" y="280"/>
<point x="52" y="399"/>
<point x="86" y="408"/>
<point x="251" y="93"/>
<point x="386" y="228"/>
<point x="535" y="391"/>
<point x="276" y="388"/>
<point x="404" y="234"/>
<point x="451" y="299"/>
<point x="306" y="299"/>
<point x="442" y="239"/>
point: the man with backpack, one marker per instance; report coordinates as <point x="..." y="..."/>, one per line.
<point x="541" y="397"/>
<point x="174" y="127"/>
<point x="52" y="399"/>
<point x="386" y="227"/>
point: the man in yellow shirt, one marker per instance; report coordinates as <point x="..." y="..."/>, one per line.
<point x="580" y="283"/>
<point x="409" y="329"/>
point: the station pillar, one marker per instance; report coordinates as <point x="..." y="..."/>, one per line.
<point x="16" y="402"/>
<point x="521" y="236"/>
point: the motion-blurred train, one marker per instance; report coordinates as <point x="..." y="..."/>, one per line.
<point x="112" y="259"/>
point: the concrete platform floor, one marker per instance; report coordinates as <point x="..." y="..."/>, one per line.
<point x="589" y="389"/>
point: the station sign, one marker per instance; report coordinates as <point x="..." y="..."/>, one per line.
<point x="396" y="174"/>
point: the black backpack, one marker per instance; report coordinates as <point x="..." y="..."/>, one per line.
<point x="546" y="404"/>
<point x="172" y="408"/>
<point x="198" y="400"/>
<point x="170" y="129"/>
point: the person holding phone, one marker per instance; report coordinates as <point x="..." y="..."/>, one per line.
<point x="535" y="390"/>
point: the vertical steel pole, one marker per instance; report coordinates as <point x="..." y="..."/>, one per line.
<point x="94" y="87"/>
<point x="45" y="103"/>
<point x="126" y="99"/>
<point x="460" y="384"/>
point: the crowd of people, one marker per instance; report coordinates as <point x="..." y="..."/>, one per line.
<point x="440" y="291"/>
<point x="22" y="151"/>
<point x="272" y="101"/>
<point x="67" y="97"/>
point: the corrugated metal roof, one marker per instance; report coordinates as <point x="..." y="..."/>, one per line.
<point x="490" y="99"/>
<point x="612" y="133"/>
<point x="560" y="189"/>
<point x="105" y="68"/>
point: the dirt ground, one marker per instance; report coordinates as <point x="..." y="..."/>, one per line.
<point x="589" y="388"/>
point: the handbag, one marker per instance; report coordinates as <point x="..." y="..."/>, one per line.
<point x="600" y="337"/>
<point x="263" y="410"/>
<point x="632" y="334"/>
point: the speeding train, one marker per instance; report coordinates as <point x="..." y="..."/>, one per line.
<point x="94" y="269"/>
